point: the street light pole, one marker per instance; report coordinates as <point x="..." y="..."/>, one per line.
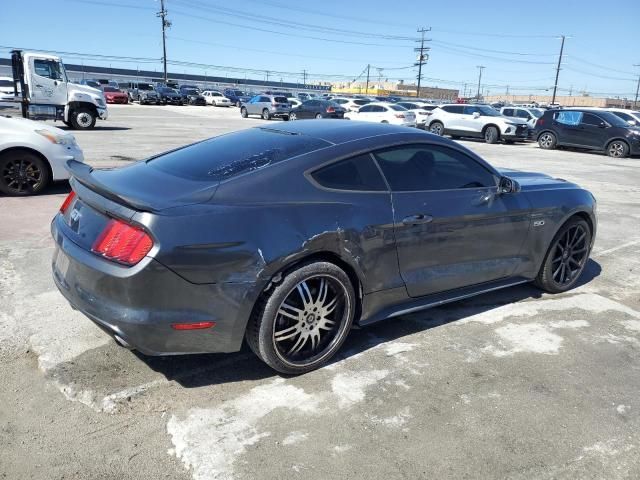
<point x="480" y="68"/>
<point x="555" y="85"/>
<point x="635" y="102"/>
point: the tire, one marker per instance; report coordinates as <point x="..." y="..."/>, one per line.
<point x="243" y="112"/>
<point x="547" y="141"/>
<point x="384" y="121"/>
<point x="22" y="173"/>
<point x="437" y="128"/>
<point x="569" y="249"/>
<point x="83" y="119"/>
<point x="491" y="135"/>
<point x="293" y="117"/>
<point x="318" y="116"/>
<point x="618" y="149"/>
<point x="296" y="308"/>
<point x="266" y="115"/>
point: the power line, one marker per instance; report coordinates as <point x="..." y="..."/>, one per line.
<point x="262" y="19"/>
<point x="491" y="57"/>
<point x="457" y="45"/>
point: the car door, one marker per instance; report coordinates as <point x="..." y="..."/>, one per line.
<point x="365" y="113"/>
<point x="311" y="107"/>
<point x="452" y="119"/>
<point x="592" y="131"/>
<point x="453" y="228"/>
<point x="252" y="105"/>
<point x="471" y="120"/>
<point x="567" y="126"/>
<point x="48" y="85"/>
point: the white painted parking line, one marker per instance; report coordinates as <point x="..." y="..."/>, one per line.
<point x="615" y="249"/>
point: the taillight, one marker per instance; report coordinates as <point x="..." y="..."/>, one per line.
<point x="330" y="109"/>
<point x="122" y="243"/>
<point x="67" y="201"/>
<point x="539" y="121"/>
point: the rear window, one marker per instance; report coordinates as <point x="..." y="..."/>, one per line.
<point x="226" y="156"/>
<point x="6" y="83"/>
<point x="281" y="99"/>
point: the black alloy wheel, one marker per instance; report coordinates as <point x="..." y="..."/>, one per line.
<point x="305" y="319"/>
<point x="566" y="258"/>
<point x="22" y="173"/>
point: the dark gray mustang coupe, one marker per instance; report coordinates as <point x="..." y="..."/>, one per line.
<point x="288" y="234"/>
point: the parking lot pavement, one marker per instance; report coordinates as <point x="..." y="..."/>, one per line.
<point x="514" y="384"/>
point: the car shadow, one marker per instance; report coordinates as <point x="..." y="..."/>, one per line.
<point x="97" y="127"/>
<point x="193" y="371"/>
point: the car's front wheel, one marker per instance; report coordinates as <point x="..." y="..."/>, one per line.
<point x="491" y="135"/>
<point x="82" y="119"/>
<point x="244" y="113"/>
<point x="302" y="322"/>
<point x="618" y="149"/>
<point x="437" y="128"/>
<point x="547" y="141"/>
<point x="22" y="173"/>
<point x="566" y="258"/>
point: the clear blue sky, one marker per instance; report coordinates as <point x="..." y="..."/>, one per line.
<point x="514" y="40"/>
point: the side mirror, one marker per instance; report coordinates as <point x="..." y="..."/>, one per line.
<point x="508" y="185"/>
<point x="476" y="114"/>
<point x="633" y="123"/>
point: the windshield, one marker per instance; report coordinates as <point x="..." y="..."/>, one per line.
<point x="536" y="112"/>
<point x="191" y="92"/>
<point x="483" y="110"/>
<point x="6" y="83"/>
<point x="235" y="153"/>
<point x="110" y="89"/>
<point x="166" y="90"/>
<point x="145" y="86"/>
<point x="238" y="93"/>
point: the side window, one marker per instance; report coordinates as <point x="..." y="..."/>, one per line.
<point x="366" y="108"/>
<point x="432" y="167"/>
<point x="590" y="119"/>
<point x="471" y="109"/>
<point x="47" y="69"/>
<point x="569" y="117"/>
<point x="379" y="108"/>
<point x="265" y="100"/>
<point x="508" y="112"/>
<point x="625" y="116"/>
<point x="358" y="173"/>
<point x="453" y="108"/>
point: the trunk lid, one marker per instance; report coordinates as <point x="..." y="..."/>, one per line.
<point x="142" y="187"/>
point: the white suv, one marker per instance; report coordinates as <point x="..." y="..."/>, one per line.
<point x="480" y="121"/>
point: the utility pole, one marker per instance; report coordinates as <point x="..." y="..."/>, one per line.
<point x="304" y="77"/>
<point x="422" y="57"/>
<point x="507" y="93"/>
<point x="555" y="85"/>
<point x="635" y="102"/>
<point x="480" y="68"/>
<point x="366" y="92"/>
<point x="165" y="24"/>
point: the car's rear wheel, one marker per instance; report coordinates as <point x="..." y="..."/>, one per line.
<point x="566" y="258"/>
<point x="303" y="321"/>
<point x="293" y="117"/>
<point x="318" y="116"/>
<point x="265" y="114"/>
<point x="22" y="173"/>
<point x="243" y="112"/>
<point x="437" y="128"/>
<point x="238" y="104"/>
<point x="547" y="141"/>
<point x="618" y="149"/>
<point x="491" y="135"/>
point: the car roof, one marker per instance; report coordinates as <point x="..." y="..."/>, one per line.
<point x="340" y="131"/>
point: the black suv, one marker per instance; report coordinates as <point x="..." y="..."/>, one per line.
<point x="191" y="95"/>
<point x="590" y="129"/>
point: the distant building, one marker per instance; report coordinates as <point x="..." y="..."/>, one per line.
<point x="379" y="88"/>
<point x="565" y="101"/>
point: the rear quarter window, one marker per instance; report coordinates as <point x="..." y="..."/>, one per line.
<point x="226" y="156"/>
<point x="357" y="173"/>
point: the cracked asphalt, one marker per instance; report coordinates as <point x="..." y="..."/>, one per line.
<point x="513" y="384"/>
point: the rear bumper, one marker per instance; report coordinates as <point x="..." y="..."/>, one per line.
<point x="138" y="304"/>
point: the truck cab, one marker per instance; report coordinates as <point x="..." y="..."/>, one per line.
<point x="44" y="92"/>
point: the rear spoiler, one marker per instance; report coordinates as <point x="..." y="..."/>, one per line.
<point x="82" y="173"/>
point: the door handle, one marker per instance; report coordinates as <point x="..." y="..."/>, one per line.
<point x="418" y="219"/>
<point x="38" y="85"/>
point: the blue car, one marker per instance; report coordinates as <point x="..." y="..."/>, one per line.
<point x="237" y="97"/>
